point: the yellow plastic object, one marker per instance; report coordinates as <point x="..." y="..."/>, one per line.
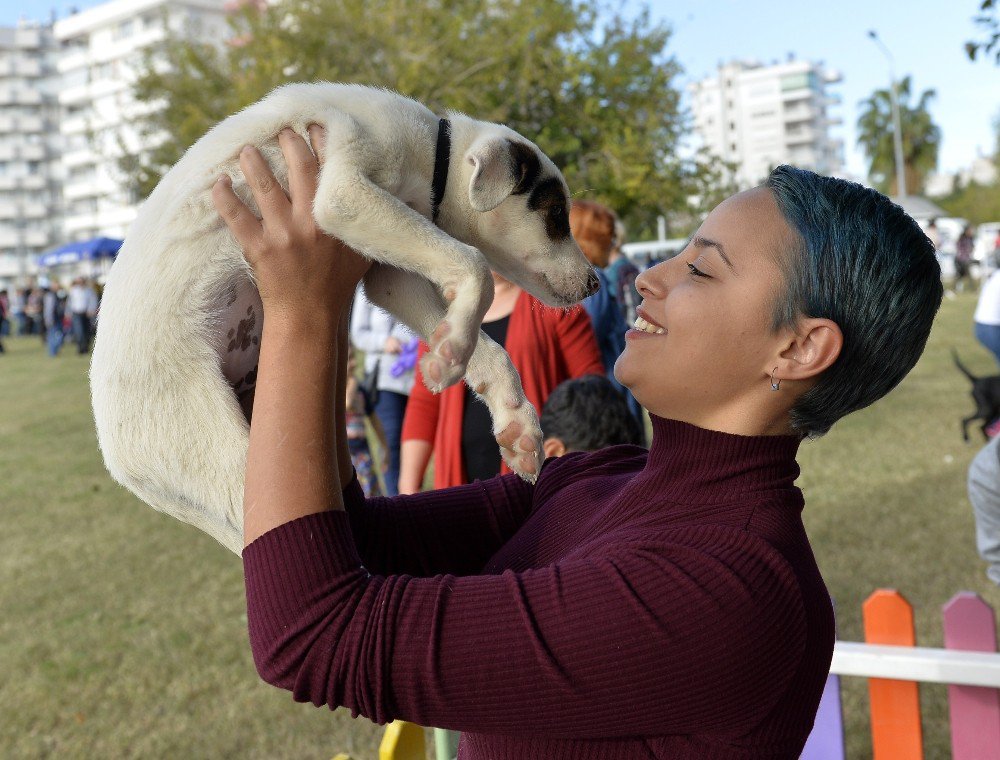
<point x="402" y="741"/>
<point x="342" y="756"/>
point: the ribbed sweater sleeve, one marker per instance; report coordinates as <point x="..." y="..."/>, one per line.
<point x="695" y="631"/>
<point x="452" y="530"/>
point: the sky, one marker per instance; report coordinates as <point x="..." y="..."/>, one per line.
<point x="926" y="38"/>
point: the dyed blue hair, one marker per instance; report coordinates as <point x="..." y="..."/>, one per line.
<point x="863" y="263"/>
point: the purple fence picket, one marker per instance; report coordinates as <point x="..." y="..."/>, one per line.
<point x="970" y="625"/>
<point x="826" y="742"/>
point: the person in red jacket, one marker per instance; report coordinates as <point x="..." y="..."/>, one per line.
<point x="546" y="346"/>
<point x="629" y="603"/>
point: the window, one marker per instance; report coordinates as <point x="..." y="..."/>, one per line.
<point x="124" y="29"/>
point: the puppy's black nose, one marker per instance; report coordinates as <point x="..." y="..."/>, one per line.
<point x="593" y="284"/>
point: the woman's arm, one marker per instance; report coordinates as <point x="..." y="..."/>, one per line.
<point x="420" y="423"/>
<point x="298" y="461"/>
<point x="414" y="456"/>
<point x="297" y="458"/>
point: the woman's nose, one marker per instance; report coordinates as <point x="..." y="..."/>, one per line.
<point x="652" y="282"/>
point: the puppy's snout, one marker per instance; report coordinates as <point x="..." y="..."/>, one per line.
<point x="593" y="284"/>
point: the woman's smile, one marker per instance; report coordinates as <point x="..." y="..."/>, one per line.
<point x="644" y="325"/>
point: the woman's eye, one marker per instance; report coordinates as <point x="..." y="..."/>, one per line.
<point x="697" y="272"/>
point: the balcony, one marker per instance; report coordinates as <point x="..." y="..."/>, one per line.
<point x="37" y="238"/>
<point x="35" y="210"/>
<point x="10" y="96"/>
<point x="21" y="124"/>
<point x="32" y="152"/>
<point x="79" y="157"/>
<point x="20" y="67"/>
<point x="82" y="188"/>
<point x="800" y="136"/>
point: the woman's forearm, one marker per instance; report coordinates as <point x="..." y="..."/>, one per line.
<point x="294" y="464"/>
<point x="344" y="464"/>
<point x="413" y="458"/>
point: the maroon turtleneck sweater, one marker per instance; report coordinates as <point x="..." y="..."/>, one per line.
<point x="629" y="605"/>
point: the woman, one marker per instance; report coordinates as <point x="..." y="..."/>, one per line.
<point x="547" y="346"/>
<point x="629" y="604"/>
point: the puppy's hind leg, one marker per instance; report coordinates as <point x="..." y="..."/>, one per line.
<point x="490" y="372"/>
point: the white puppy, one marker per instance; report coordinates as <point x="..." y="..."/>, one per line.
<point x="436" y="203"/>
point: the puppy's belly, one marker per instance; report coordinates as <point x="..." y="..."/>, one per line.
<point x="241" y="323"/>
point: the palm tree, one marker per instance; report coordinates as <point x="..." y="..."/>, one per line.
<point x="921" y="138"/>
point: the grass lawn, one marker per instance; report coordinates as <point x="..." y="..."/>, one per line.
<point x="123" y="632"/>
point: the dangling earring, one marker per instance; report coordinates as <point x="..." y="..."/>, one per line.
<point x="774" y="385"/>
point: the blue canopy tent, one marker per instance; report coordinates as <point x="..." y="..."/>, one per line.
<point x="80" y="251"/>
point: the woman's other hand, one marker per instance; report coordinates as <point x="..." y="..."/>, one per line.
<point x="301" y="272"/>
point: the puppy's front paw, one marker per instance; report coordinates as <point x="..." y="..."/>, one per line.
<point x="520" y="437"/>
<point x="439" y="372"/>
<point x="444" y="365"/>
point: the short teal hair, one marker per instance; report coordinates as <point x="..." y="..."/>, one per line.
<point x="865" y="264"/>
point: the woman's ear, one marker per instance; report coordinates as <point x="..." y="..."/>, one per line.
<point x="811" y="349"/>
<point x="553" y="447"/>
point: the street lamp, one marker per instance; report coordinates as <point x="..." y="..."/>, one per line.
<point x="897" y="132"/>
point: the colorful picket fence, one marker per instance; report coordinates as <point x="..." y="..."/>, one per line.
<point x="894" y="665"/>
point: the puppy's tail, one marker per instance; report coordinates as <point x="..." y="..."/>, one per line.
<point x="962" y="367"/>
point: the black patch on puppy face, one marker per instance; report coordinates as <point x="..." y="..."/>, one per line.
<point x="550" y="200"/>
<point x="524" y="165"/>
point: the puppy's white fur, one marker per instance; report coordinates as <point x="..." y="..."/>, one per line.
<point x="181" y="319"/>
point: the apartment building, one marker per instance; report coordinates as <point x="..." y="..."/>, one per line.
<point x="759" y="116"/>
<point x="101" y="53"/>
<point x="29" y="147"/>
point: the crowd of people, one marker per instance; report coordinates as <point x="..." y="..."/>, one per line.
<point x="54" y="312"/>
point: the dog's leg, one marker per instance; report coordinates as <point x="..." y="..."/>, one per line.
<point x="351" y="206"/>
<point x="965" y="426"/>
<point x="490" y="372"/>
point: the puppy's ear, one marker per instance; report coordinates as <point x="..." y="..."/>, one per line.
<point x="502" y="168"/>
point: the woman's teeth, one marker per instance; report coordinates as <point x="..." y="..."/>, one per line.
<point x="642" y="324"/>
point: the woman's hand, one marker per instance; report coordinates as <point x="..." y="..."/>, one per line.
<point x="302" y="273"/>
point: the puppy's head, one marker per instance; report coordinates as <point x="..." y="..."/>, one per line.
<point x="520" y="205"/>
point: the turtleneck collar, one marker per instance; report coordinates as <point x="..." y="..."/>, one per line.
<point x="691" y="465"/>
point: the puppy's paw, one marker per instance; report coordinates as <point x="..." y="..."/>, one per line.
<point x="439" y="373"/>
<point x="520" y="438"/>
<point x="445" y="363"/>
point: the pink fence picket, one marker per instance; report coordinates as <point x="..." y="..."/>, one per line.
<point x="895" y="705"/>
<point x="970" y="625"/>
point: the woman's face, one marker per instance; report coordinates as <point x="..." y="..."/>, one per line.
<point x="712" y="305"/>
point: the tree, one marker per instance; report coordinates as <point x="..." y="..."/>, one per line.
<point x="921" y="138"/>
<point x="593" y="89"/>
<point x="989" y="26"/>
<point x="975" y="202"/>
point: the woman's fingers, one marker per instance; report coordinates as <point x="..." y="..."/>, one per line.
<point x="317" y="139"/>
<point x="303" y="170"/>
<point x="270" y="196"/>
<point x="246" y="228"/>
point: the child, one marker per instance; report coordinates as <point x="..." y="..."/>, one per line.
<point x="585" y="414"/>
<point x="359" y="408"/>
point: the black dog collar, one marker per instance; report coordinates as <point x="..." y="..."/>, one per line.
<point x="442" y="156"/>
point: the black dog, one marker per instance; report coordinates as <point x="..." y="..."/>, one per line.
<point x="986" y="394"/>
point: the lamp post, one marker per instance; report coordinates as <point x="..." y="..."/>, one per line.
<point x="897" y="132"/>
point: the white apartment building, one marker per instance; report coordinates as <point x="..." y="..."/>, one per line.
<point x="758" y="117"/>
<point x="102" y="50"/>
<point x="29" y="148"/>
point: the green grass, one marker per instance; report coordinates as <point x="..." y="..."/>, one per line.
<point x="123" y="632"/>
